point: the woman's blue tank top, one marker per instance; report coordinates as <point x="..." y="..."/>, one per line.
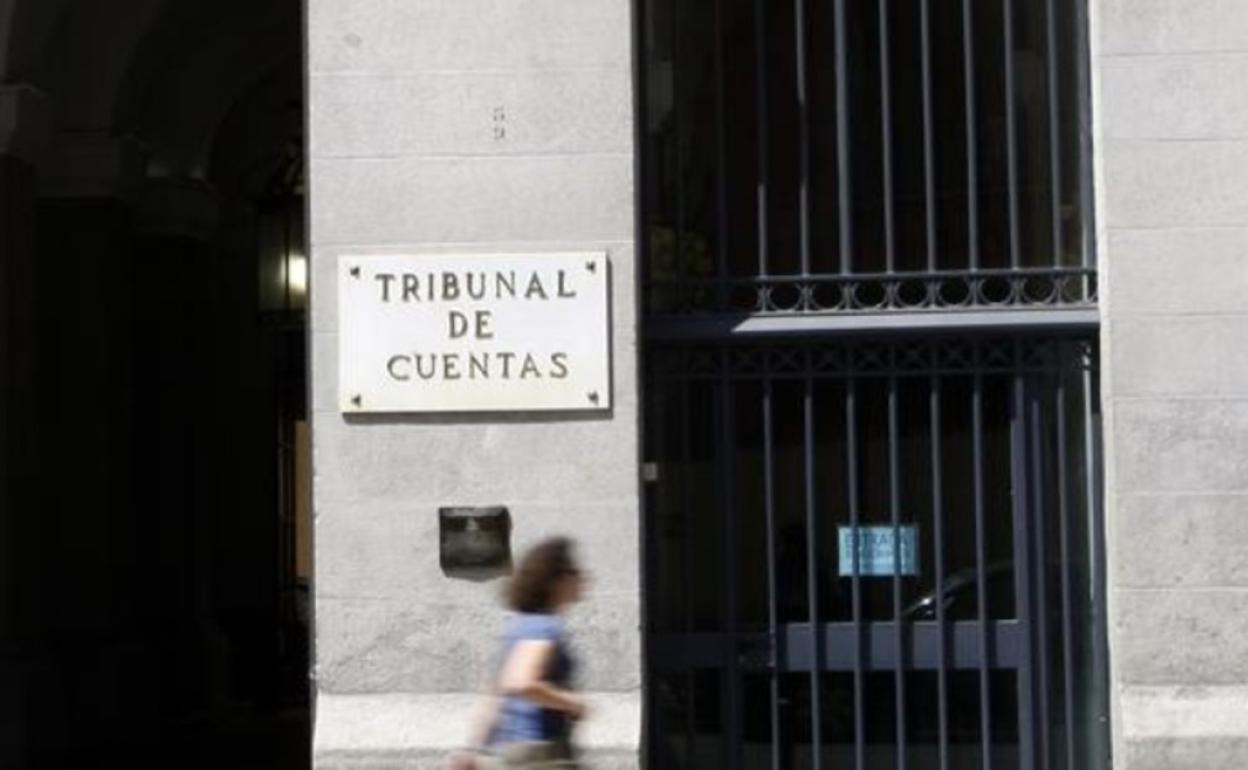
<point x="520" y="719"/>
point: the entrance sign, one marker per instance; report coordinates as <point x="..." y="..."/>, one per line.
<point x="883" y="551"/>
<point x="471" y="333"/>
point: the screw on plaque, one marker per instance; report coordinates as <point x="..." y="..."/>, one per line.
<point x="593" y="396"/>
<point x="357" y="400"/>
<point x="355" y="271"/>
<point x="591" y="267"/>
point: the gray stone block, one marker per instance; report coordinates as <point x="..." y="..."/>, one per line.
<point x="1178" y="355"/>
<point x="472" y="113"/>
<point x="323" y="349"/>
<point x="473" y="199"/>
<point x="1183" y="727"/>
<point x="371" y="644"/>
<point x="377" y="645"/>
<point x="1150" y="184"/>
<point x="1185" y="270"/>
<point x="1157" y="26"/>
<point x="1179" y="91"/>
<point x="415" y="732"/>
<point x="453" y="460"/>
<point x="389" y="36"/>
<point x="1198" y="445"/>
<point x="1185" y="637"/>
<point x="1181" y="541"/>
<point x="323" y="289"/>
<point x="1214" y="753"/>
<point x="390" y="551"/>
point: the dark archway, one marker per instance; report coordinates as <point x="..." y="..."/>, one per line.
<point x="154" y="558"/>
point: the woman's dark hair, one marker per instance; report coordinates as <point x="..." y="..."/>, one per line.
<point x="532" y="587"/>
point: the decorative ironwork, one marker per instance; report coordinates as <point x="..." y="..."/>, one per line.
<point x="1057" y="288"/>
<point x="848" y="358"/>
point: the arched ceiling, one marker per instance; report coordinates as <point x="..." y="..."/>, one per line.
<point x="255" y="139"/>
<point x="25" y="29"/>
<point x="7" y="8"/>
<point x="167" y="72"/>
<point x="87" y="59"/>
<point x="205" y="65"/>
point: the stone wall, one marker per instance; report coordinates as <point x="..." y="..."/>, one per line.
<point x="1172" y="149"/>
<point x="466" y="126"/>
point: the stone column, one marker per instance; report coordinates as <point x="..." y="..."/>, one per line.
<point x="467" y="126"/>
<point x="120" y="525"/>
<point x="82" y="291"/>
<point x="181" y="417"/>
<point x="81" y="510"/>
<point x="1172" y="133"/>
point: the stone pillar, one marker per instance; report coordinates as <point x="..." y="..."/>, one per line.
<point x="82" y="291"/>
<point x="81" y="509"/>
<point x="24" y="124"/>
<point x="467" y="126"/>
<point x="180" y="422"/>
<point x="1172" y="149"/>
<point x="119" y="526"/>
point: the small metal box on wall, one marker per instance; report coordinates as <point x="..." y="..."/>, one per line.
<point x="474" y="539"/>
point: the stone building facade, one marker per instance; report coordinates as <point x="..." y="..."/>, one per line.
<point x="1169" y="234"/>
<point x="431" y="132"/>
<point x="461" y="127"/>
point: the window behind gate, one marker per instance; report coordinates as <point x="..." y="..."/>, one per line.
<point x="873" y="534"/>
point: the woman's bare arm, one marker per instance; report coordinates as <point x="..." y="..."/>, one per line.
<point x="484" y="716"/>
<point x="524" y="675"/>
<point x="483" y="719"/>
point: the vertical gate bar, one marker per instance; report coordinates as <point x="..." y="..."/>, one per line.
<point x="972" y="150"/>
<point x="894" y="512"/>
<point x="1022" y="561"/>
<point x="939" y="563"/>
<point x="773" y="613"/>
<point x="1039" y="525"/>
<point x="938" y="526"/>
<point x="981" y="558"/>
<point x="678" y="129"/>
<point x="1096" y="526"/>
<point x="886" y="140"/>
<point x="1055" y="141"/>
<point x="721" y="160"/>
<point x="803" y="121"/>
<point x="812" y="574"/>
<point x="654" y="442"/>
<point x="1068" y="642"/>
<point x="1011" y="138"/>
<point x="686" y="461"/>
<point x="1087" y="231"/>
<point x="844" y="178"/>
<point x="727" y="444"/>
<point x="760" y="77"/>
<point x="851" y="486"/>
<point x="929" y="143"/>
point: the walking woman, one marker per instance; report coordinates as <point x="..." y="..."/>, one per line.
<point x="528" y="721"/>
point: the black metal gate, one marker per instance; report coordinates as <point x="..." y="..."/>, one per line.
<point x="875" y="555"/>
<point x="872" y="523"/>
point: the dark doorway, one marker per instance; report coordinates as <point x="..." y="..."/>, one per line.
<point x="154" y="538"/>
